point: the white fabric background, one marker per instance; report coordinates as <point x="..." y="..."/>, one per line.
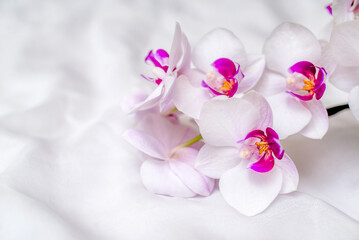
<point x="66" y="172"/>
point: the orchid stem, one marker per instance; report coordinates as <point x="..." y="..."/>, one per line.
<point x="333" y="110"/>
<point x="186" y="144"/>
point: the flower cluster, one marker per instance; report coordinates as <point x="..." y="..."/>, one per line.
<point x="218" y="113"/>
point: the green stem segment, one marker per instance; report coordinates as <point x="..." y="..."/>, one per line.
<point x="190" y="142"/>
<point x="186" y="144"/>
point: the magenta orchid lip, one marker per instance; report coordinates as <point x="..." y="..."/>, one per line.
<point x="160" y="60"/>
<point x="224" y="78"/>
<point x="267" y="144"/>
<point x="311" y="81"/>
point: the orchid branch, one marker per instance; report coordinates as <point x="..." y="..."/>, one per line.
<point x="333" y="110"/>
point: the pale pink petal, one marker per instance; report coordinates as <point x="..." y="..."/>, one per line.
<point x="168" y="133"/>
<point x="145" y="143"/>
<point x="262" y="105"/>
<point x="168" y="81"/>
<point x="158" y="178"/>
<point x="186" y="60"/>
<point x="189" y="99"/>
<point x="290" y="116"/>
<point x="224" y="122"/>
<point x="354" y="102"/>
<point x="151" y="101"/>
<point x="130" y="101"/>
<point x="182" y="166"/>
<point x="318" y="125"/>
<point x="164" y="130"/>
<point x="345" y="78"/>
<point x="288" y="44"/>
<point x="219" y="43"/>
<point x="326" y="60"/>
<point x="214" y="161"/>
<point x="344" y="42"/>
<point x="176" y="48"/>
<point x="271" y="83"/>
<point x="340" y="10"/>
<point x="289" y="173"/>
<point x="248" y="191"/>
<point x="252" y="72"/>
<point x="196" y="77"/>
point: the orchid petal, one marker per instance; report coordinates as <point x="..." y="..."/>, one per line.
<point x="340" y="10"/>
<point x="354" y="102"/>
<point x="195" y="77"/>
<point x="130" y="101"/>
<point x="288" y="44"/>
<point x="344" y="42"/>
<point x="164" y="130"/>
<point x="182" y="165"/>
<point x="289" y="173"/>
<point x="214" y="161"/>
<point x="176" y="48"/>
<point x="186" y="60"/>
<point x="224" y="122"/>
<point x="248" y="191"/>
<point x="151" y="101"/>
<point x="345" y="78"/>
<point x="158" y="178"/>
<point x="326" y="60"/>
<point x="169" y="81"/>
<point x="145" y="143"/>
<point x="289" y="115"/>
<point x="219" y="43"/>
<point x="252" y="72"/>
<point x="188" y="98"/>
<point x="318" y="125"/>
<point x="262" y="105"/>
<point x="271" y="83"/>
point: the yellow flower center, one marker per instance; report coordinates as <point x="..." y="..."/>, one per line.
<point x="309" y="85"/>
<point x="226" y="86"/>
<point x="262" y="146"/>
